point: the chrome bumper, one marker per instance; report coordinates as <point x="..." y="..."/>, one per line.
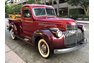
<point x="66" y="50"/>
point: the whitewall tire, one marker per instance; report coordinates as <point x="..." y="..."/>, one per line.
<point x="43" y="48"/>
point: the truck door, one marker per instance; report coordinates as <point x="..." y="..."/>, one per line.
<point x="27" y="22"/>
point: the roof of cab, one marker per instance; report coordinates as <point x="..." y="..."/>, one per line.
<point x="37" y="5"/>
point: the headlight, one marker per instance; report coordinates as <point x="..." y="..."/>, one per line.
<point x="56" y="32"/>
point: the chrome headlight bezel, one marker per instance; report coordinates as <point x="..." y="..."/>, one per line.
<point x="56" y="32"/>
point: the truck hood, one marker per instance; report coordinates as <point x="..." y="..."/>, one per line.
<point x="56" y="21"/>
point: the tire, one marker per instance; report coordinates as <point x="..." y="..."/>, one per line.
<point x="44" y="48"/>
<point x="12" y="34"/>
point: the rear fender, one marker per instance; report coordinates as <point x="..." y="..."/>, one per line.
<point x="10" y="25"/>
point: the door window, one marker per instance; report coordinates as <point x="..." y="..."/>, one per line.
<point x="26" y="13"/>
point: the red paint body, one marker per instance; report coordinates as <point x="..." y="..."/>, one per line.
<point x="34" y="26"/>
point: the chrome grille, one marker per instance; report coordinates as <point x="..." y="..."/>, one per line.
<point x="73" y="38"/>
<point x="71" y="27"/>
<point x="80" y="35"/>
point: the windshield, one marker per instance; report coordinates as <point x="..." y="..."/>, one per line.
<point x="44" y="12"/>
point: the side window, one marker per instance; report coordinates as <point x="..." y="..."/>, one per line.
<point x="26" y="13"/>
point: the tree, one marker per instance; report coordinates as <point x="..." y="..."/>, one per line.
<point x="57" y="7"/>
<point x="50" y="2"/>
<point x="17" y="8"/>
<point x="13" y="9"/>
<point x="30" y="1"/>
<point x="33" y="1"/>
<point x="9" y="9"/>
<point x="83" y="3"/>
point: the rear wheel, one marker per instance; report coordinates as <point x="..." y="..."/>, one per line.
<point x="43" y="48"/>
<point x="12" y="34"/>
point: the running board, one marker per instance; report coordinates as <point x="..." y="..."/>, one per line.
<point x="26" y="39"/>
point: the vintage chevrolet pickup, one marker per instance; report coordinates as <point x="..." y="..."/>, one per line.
<point x="39" y="26"/>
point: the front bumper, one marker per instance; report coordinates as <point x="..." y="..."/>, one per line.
<point x="66" y="50"/>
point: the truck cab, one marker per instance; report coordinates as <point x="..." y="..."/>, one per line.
<point x="39" y="26"/>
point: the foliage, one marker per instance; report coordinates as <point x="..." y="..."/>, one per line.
<point x="39" y="2"/>
<point x="74" y="13"/>
<point x="8" y="9"/>
<point x="17" y="8"/>
<point x="77" y="13"/>
<point x="83" y="3"/>
<point x="33" y="1"/>
<point x="30" y="1"/>
<point x="13" y="9"/>
<point x="79" y="2"/>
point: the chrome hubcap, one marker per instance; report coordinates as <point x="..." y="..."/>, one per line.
<point x="43" y="48"/>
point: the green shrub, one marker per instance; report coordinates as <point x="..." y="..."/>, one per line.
<point x="76" y="13"/>
<point x="32" y="1"/>
<point x="9" y="9"/>
<point x="13" y="9"/>
<point x="17" y="9"/>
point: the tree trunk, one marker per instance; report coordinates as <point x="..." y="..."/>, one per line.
<point x="52" y="2"/>
<point x="86" y="10"/>
<point x="35" y="1"/>
<point x="45" y="2"/>
<point x="57" y="7"/>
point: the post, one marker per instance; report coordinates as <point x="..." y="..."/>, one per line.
<point x="35" y="1"/>
<point x="68" y="11"/>
<point x="44" y="2"/>
<point x="52" y="2"/>
<point x="58" y="7"/>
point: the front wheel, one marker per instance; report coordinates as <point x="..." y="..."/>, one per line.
<point x="43" y="48"/>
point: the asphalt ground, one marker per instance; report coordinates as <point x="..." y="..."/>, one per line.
<point x="30" y="55"/>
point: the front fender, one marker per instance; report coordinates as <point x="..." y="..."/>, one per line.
<point x="44" y="34"/>
<point x="81" y="27"/>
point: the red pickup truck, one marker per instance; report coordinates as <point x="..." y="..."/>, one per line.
<point x="39" y="26"/>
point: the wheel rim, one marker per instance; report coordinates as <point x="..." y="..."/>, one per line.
<point x="12" y="34"/>
<point x="43" y="48"/>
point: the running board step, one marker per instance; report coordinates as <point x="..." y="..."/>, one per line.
<point x="26" y="39"/>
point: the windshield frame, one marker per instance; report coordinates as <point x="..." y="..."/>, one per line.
<point x="45" y="12"/>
